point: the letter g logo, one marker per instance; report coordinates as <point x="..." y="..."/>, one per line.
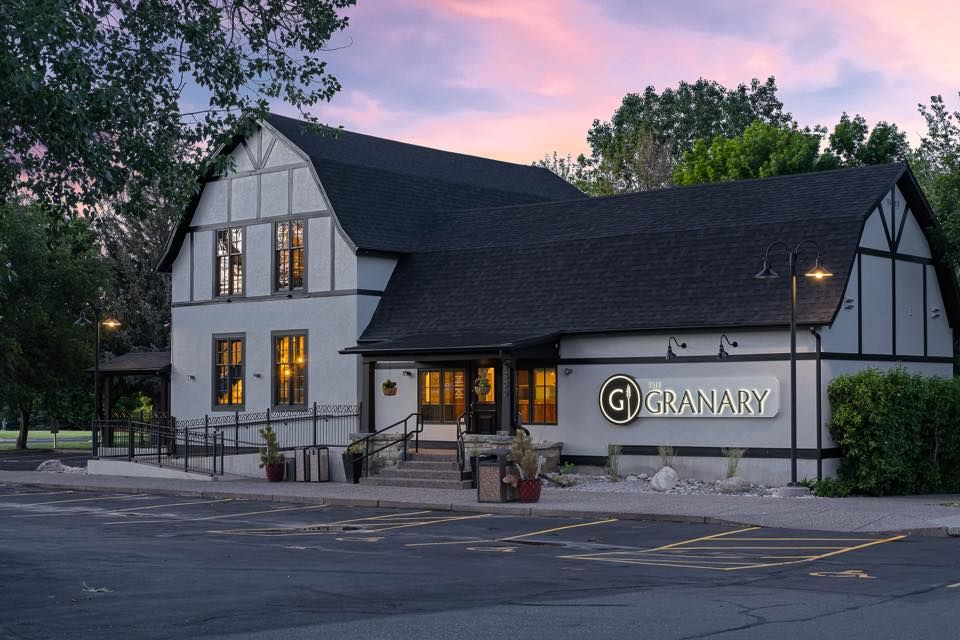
<point x="620" y="399"/>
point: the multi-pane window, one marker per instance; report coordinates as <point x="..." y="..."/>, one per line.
<point x="288" y="255"/>
<point x="229" y="281"/>
<point x="442" y="394"/>
<point x="289" y="370"/>
<point x="228" y="372"/>
<point x="537" y="395"/>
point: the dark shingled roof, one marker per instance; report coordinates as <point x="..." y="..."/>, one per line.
<point x="139" y="363"/>
<point x="670" y="259"/>
<point x="386" y="194"/>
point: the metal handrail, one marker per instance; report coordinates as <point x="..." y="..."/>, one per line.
<point x="461" y="453"/>
<point x="405" y="438"/>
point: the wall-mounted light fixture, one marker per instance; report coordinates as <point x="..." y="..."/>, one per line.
<point x="849" y="303"/>
<point x="406" y="373"/>
<point x="723" y="352"/>
<point x="190" y="376"/>
<point x="670" y="343"/>
<point x="258" y="375"/>
<point x="934" y="312"/>
<point x="567" y="371"/>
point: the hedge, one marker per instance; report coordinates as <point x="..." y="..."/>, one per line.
<point x="898" y="432"/>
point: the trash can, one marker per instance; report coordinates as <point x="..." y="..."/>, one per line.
<point x="491" y="470"/>
<point x="312" y="464"/>
<point x="290" y="469"/>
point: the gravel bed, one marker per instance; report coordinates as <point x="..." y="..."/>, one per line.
<point x="637" y="484"/>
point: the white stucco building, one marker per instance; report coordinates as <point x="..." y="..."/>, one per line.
<point x="321" y="267"/>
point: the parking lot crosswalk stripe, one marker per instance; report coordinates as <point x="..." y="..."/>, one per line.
<point x="220" y="517"/>
<point x="546" y="531"/>
<point x="701" y="539"/>
<point x="33" y="493"/>
<point x="161" y="506"/>
<point x="281" y="530"/>
<point x="119" y="497"/>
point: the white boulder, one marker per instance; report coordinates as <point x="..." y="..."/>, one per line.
<point x="664" y="480"/>
<point x="55" y="466"/>
<point x="735" y="484"/>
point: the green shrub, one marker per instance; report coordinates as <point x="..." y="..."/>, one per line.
<point x="898" y="432"/>
<point x="829" y="487"/>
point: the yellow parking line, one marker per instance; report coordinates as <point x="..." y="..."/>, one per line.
<point x="752" y="547"/>
<point x="546" y="531"/>
<point x="32" y="493"/>
<point x="220" y="517"/>
<point x="832" y="553"/>
<point x="713" y="537"/>
<point x="120" y="497"/>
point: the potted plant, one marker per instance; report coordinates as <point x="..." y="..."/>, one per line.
<point x="270" y="457"/>
<point x="528" y="465"/>
<point x="389" y="387"/>
<point x="353" y="462"/>
<point x="481" y="387"/>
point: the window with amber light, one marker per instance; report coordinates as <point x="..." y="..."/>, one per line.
<point x="288" y="250"/>
<point x="442" y="394"/>
<point x="537" y="395"/>
<point x="289" y="370"/>
<point x="228" y="374"/>
<point x="229" y="271"/>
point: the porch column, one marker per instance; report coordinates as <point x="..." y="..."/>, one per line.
<point x="368" y="416"/>
<point x="508" y="410"/>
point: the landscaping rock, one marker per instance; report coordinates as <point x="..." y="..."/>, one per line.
<point x="632" y="478"/>
<point x="733" y="485"/>
<point x="55" y="466"/>
<point x="664" y="480"/>
<point x="644" y="476"/>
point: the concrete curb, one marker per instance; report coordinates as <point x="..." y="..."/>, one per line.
<point x="512" y="508"/>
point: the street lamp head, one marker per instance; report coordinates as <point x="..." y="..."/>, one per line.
<point x="819" y="271"/>
<point x="111" y="323"/>
<point x="766" y="273"/>
<point x="82" y="321"/>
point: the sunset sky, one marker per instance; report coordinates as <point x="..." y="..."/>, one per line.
<point x="514" y="79"/>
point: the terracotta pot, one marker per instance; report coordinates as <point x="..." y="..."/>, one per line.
<point x="275" y="472"/>
<point x="390" y="391"/>
<point x="529" y="490"/>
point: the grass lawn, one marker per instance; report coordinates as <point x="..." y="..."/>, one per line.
<point x="44" y="435"/>
<point x="48" y="438"/>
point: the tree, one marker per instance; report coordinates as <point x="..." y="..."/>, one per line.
<point x="936" y="163"/>
<point x="639" y="147"/>
<point x="93" y="89"/>
<point x="763" y="150"/>
<point x="53" y="268"/>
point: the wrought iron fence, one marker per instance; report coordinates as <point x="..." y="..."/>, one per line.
<point x="168" y="441"/>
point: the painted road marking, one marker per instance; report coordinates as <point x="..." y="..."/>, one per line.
<point x="732" y="551"/>
<point x="849" y="573"/>
<point x="493" y="549"/>
<point x="955" y="585"/>
<point x="516" y="537"/>
<point x="115" y="511"/>
<point x="220" y="517"/>
<point x="367" y="539"/>
<point x="372" y="524"/>
<point x="32" y="493"/>
<point x="118" y="497"/>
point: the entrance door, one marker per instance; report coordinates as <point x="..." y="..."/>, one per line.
<point x="485" y="396"/>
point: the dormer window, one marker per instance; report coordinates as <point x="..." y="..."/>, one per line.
<point x="288" y="260"/>
<point x="229" y="276"/>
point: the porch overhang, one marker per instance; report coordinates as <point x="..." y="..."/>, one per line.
<point x="446" y="345"/>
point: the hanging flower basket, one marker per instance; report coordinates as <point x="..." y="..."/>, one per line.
<point x="481" y="387"/>
<point x="389" y="387"/>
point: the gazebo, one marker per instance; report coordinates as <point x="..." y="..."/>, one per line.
<point x="139" y="364"/>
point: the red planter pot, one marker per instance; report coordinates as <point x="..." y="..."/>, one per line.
<point x="275" y="472"/>
<point x="529" y="490"/>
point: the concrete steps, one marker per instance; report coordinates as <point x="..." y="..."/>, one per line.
<point x="435" y="470"/>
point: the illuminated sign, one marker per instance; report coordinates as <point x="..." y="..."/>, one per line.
<point x="623" y="398"/>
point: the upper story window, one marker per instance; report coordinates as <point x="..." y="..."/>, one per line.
<point x="229" y="276"/>
<point x="228" y="372"/>
<point x="289" y="370"/>
<point x="288" y="261"/>
<point x="537" y="395"/>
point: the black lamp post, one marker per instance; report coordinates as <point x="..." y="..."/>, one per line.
<point x="109" y="323"/>
<point x="818" y="273"/>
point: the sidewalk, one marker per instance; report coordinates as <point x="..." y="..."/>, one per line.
<point x="919" y="515"/>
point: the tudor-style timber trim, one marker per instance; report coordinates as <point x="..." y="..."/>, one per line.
<point x="282" y="295"/>
<point x="265" y="220"/>
<point x="758" y="357"/>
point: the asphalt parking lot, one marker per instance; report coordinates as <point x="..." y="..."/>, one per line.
<point x="13" y="460"/>
<point x="100" y="565"/>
